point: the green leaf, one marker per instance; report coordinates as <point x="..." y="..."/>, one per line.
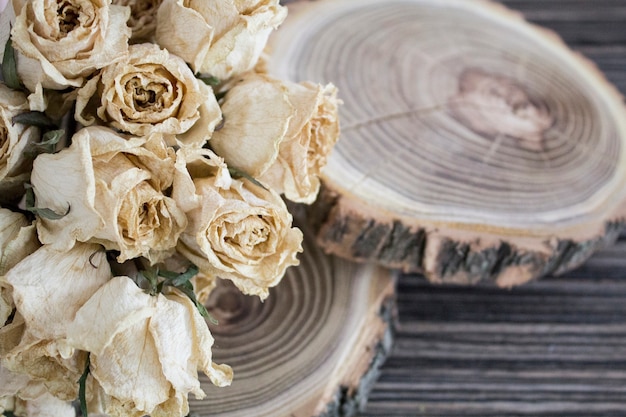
<point x="48" y="144"/>
<point x="45" y="213"/>
<point x="82" y="387"/>
<point x="9" y="67"/>
<point x="175" y="279"/>
<point x="208" y="80"/>
<point x="35" y="118"/>
<point x="237" y="173"/>
<point x="192" y="296"/>
<point x="219" y="96"/>
<point x="152" y="278"/>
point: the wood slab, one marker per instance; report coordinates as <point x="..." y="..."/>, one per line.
<point x="312" y="348"/>
<point x="475" y="146"/>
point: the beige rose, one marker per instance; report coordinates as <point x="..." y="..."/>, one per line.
<point x="152" y="91"/>
<point x="237" y="230"/>
<point x="27" y="398"/>
<point x="222" y="38"/>
<point x="114" y="188"/>
<point x="49" y="287"/>
<point x="60" y="42"/>
<point x="18" y="239"/>
<point x="146" y="352"/>
<point x="290" y="129"/>
<point x="14" y="141"/>
<point x="142" y="19"/>
<point x="36" y="401"/>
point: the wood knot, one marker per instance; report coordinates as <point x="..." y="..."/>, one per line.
<point x="495" y="105"/>
<point x="228" y="305"/>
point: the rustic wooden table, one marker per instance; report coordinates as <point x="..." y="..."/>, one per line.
<point x="556" y="347"/>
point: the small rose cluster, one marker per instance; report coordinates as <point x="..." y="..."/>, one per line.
<point x="143" y="154"/>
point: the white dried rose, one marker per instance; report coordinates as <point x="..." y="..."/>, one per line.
<point x="151" y="91"/>
<point x="10" y="385"/>
<point x="288" y="145"/>
<point x="114" y="189"/>
<point x="34" y="400"/>
<point x="11" y="333"/>
<point x="145" y="353"/>
<point x="49" y="362"/>
<point x="142" y="19"/>
<point x="237" y="230"/>
<point x="18" y="239"/>
<point x="61" y="42"/>
<point x="49" y="286"/>
<point x="15" y="139"/>
<point x="222" y="38"/>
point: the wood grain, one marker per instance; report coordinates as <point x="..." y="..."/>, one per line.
<point x="555" y="347"/>
<point x="575" y="322"/>
<point x="312" y="348"/>
<point x="474" y="146"/>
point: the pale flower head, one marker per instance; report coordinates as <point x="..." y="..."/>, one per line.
<point x="145" y="353"/>
<point x="237" y="230"/>
<point x="18" y="239"/>
<point x="290" y="129"/>
<point x="114" y="189"/>
<point x="151" y="91"/>
<point x="222" y="38"/>
<point x="15" y="139"/>
<point x="25" y="397"/>
<point x="61" y="42"/>
<point x="142" y="19"/>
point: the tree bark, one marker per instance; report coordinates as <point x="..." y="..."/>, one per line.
<point x="312" y="348"/>
<point x="475" y="146"/>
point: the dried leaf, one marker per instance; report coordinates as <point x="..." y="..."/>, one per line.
<point x="82" y="388"/>
<point x="208" y="80"/>
<point x="35" y="118"/>
<point x="9" y="67"/>
<point x="237" y="173"/>
<point x="45" y="213"/>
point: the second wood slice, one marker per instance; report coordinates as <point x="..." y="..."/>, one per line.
<point x="312" y="348"/>
<point x="475" y="146"/>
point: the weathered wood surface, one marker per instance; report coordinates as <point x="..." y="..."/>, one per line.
<point x="555" y="347"/>
<point x="475" y="147"/>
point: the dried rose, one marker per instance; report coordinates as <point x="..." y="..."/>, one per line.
<point x="287" y="146"/>
<point x="152" y="91"/>
<point x="18" y="239"/>
<point x="10" y="384"/>
<point x="63" y="41"/>
<point x="49" y="362"/>
<point x="142" y="19"/>
<point x="237" y="230"/>
<point x="130" y="214"/>
<point x="14" y="141"/>
<point x="25" y="397"/>
<point x="222" y="38"/>
<point x="146" y="352"/>
<point x="49" y="287"/>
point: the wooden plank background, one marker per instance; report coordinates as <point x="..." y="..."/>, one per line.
<point x="556" y="347"/>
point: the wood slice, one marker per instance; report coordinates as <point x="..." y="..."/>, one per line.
<point x="312" y="348"/>
<point x="475" y="146"/>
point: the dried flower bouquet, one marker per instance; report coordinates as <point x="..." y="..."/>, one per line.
<point x="143" y="155"/>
